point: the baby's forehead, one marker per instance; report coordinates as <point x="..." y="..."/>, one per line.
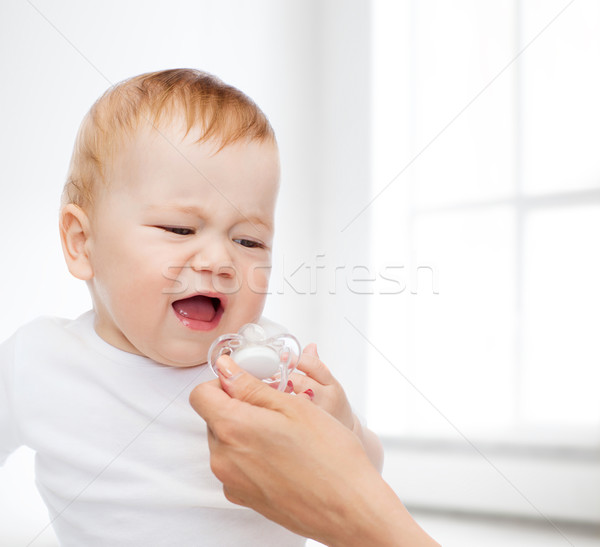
<point x="175" y="137"/>
<point x="174" y="143"/>
<point x="176" y="165"/>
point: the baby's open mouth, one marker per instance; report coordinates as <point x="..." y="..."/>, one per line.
<point x="199" y="312"/>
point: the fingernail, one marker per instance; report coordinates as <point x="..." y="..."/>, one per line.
<point x="224" y="371"/>
<point x="290" y="387"/>
<point x="228" y="375"/>
<point x="310" y="394"/>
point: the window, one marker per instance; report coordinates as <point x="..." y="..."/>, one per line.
<point x="486" y="164"/>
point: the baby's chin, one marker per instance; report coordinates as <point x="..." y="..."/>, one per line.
<point x="180" y="356"/>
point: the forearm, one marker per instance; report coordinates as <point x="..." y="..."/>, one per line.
<point x="377" y="517"/>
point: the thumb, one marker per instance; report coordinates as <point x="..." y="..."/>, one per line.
<point x="241" y="385"/>
<point x="311" y="349"/>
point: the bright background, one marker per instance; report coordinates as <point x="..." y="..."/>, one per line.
<point x="437" y="228"/>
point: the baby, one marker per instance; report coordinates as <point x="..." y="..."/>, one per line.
<point x="167" y="215"/>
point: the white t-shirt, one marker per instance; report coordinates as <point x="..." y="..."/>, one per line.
<point x="121" y="457"/>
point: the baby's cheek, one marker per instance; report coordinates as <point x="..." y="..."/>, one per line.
<point x="257" y="278"/>
<point x="174" y="278"/>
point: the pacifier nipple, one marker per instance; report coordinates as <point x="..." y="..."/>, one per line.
<point x="252" y="333"/>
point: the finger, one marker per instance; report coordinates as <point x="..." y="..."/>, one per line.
<point x="307" y="394"/>
<point x="311" y="349"/>
<point x="304" y="386"/>
<point x="313" y="367"/>
<point x="240" y="385"/>
<point x="302" y="382"/>
<point x="207" y="399"/>
<point x="232" y="497"/>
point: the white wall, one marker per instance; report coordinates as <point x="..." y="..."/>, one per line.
<point x="57" y="63"/>
<point x="305" y="62"/>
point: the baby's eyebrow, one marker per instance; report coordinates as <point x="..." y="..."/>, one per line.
<point x="186" y="209"/>
<point x="260" y="224"/>
<point x="255" y="220"/>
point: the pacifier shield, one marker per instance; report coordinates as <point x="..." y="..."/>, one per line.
<point x="271" y="360"/>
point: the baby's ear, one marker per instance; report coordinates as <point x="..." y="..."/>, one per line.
<point x="74" y="225"/>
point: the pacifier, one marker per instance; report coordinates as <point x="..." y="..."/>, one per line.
<point x="271" y="360"/>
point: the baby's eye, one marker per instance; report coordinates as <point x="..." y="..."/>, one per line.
<point x="178" y="230"/>
<point x="249" y="243"/>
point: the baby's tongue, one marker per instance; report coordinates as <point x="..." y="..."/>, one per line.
<point x="199" y="308"/>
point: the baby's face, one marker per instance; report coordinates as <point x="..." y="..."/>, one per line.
<point x="180" y="244"/>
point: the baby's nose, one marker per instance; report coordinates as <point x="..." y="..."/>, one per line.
<point x="213" y="257"/>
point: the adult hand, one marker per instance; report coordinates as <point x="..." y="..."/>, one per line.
<point x="291" y="461"/>
<point x="327" y="393"/>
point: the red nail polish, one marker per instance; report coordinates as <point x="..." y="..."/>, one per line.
<point x="290" y="387"/>
<point x="310" y="394"/>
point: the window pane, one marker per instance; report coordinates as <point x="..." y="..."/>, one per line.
<point x="561" y="86"/>
<point x="460" y="347"/>
<point x="459" y="48"/>
<point x="456" y="346"/>
<point x="562" y="317"/>
<point x="390" y="98"/>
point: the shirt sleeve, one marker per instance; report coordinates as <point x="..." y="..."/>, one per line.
<point x="9" y="438"/>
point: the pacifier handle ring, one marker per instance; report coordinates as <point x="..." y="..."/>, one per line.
<point x="288" y="341"/>
<point x="283" y="377"/>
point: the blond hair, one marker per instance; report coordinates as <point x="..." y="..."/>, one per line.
<point x="221" y="112"/>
